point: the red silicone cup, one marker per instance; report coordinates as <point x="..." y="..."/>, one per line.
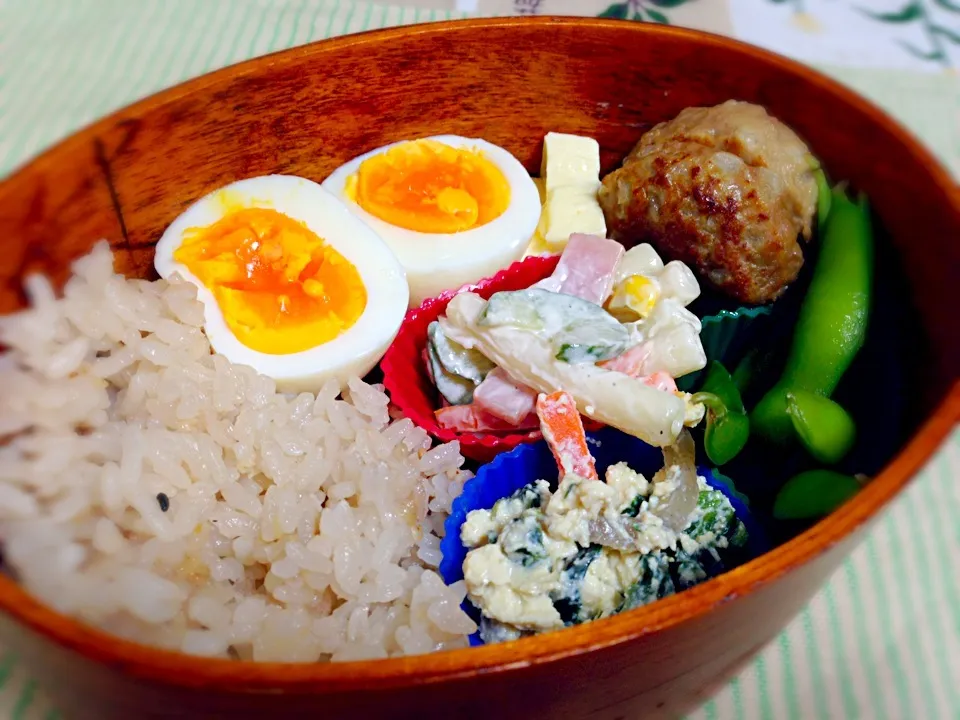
<point x="405" y="374"/>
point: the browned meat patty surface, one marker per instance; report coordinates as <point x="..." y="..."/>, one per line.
<point x="727" y="190"/>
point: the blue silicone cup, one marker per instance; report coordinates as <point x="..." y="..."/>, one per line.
<point x="527" y="463"/>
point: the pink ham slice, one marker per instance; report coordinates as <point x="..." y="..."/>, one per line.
<point x="503" y="397"/>
<point x="629" y="363"/>
<point x="632" y="363"/>
<point x="586" y="268"/>
<point x="471" y="418"/>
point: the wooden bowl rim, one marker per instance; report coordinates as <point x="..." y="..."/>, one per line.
<point x="172" y="667"/>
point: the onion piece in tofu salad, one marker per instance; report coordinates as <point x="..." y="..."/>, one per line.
<point x="609" y="327"/>
<point x="539" y="560"/>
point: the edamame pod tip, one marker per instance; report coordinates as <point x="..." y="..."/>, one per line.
<point x="824" y="428"/>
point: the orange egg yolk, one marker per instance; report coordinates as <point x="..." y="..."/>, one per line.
<point x="280" y="287"/>
<point x="430" y="187"/>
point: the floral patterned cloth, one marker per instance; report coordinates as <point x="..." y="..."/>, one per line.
<point x="882" y="639"/>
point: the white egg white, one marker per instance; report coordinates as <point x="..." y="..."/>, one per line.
<point x="435" y="262"/>
<point x="355" y="351"/>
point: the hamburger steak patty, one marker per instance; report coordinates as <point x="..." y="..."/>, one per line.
<point x="727" y="190"/>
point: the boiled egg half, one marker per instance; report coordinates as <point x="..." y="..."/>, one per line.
<point x="292" y="283"/>
<point x="453" y="209"/>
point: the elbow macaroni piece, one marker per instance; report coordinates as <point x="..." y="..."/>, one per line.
<point x="672" y="333"/>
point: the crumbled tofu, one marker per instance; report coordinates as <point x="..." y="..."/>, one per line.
<point x="540" y="560"/>
<point x="509" y="592"/>
<point x="626" y="482"/>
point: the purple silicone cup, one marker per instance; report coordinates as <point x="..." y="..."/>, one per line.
<point x="525" y="464"/>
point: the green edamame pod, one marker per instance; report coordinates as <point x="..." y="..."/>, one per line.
<point x="825" y="429"/>
<point x="833" y="317"/>
<point x="813" y="494"/>
<point x="719" y="382"/>
<point x="824" y="198"/>
<point x="725" y="437"/>
<point x="728" y="427"/>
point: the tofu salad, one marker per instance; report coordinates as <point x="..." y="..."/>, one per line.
<point x="559" y="553"/>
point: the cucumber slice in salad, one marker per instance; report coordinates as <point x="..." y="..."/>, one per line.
<point x="455" y="358"/>
<point x="578" y="330"/>
<point x="590" y="343"/>
<point x="456" y="390"/>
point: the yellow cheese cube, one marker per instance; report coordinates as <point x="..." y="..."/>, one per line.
<point x="570" y="160"/>
<point x="571" y="210"/>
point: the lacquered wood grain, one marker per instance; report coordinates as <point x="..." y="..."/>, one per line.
<point x="306" y="111"/>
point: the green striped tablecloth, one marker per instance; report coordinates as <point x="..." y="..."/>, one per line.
<point x="882" y="639"/>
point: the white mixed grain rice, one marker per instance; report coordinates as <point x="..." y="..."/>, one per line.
<point x="299" y="528"/>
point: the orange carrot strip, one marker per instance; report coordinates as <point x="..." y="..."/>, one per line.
<point x="563" y="430"/>
<point x="661" y="381"/>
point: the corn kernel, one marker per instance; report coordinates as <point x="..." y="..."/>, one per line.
<point x="634" y="297"/>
